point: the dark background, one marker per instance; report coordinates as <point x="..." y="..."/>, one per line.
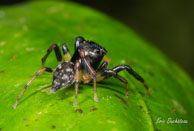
<point x="168" y="24"/>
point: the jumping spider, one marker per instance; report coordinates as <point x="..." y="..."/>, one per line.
<point x="82" y="67"/>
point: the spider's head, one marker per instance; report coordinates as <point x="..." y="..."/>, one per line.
<point x="93" y="49"/>
<point x="93" y="52"/>
<point x="90" y="47"/>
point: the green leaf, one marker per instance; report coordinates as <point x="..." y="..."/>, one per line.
<point x="26" y="32"/>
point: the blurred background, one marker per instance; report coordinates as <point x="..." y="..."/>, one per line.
<point x="168" y="24"/>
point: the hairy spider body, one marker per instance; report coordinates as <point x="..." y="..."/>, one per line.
<point x="64" y="73"/>
<point x="84" y="66"/>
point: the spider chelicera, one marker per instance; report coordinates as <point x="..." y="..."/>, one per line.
<point x="82" y="67"/>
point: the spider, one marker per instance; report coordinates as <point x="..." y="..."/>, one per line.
<point x="84" y="66"/>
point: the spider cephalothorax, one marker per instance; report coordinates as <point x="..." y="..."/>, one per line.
<point x="84" y="66"/>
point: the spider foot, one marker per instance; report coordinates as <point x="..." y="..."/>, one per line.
<point x="96" y="98"/>
<point x="75" y="105"/>
<point x="127" y="95"/>
<point x="147" y="88"/>
<point x="148" y="92"/>
<point x="14" y="106"/>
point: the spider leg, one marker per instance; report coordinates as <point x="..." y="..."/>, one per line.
<point x="29" y="82"/>
<point x="108" y="73"/>
<point x="66" y="54"/>
<point x="132" y="72"/>
<point x="77" y="64"/>
<point x="102" y="66"/>
<point x="57" y="53"/>
<point x="123" y="80"/>
<point x="92" y="72"/>
<point x="78" y="40"/>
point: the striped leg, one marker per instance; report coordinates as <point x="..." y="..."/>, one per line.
<point x="92" y="72"/>
<point x="77" y="64"/>
<point x="29" y="82"/>
<point x="78" y="41"/>
<point x="108" y="73"/>
<point x="66" y="54"/>
<point x="133" y="73"/>
<point x="57" y="53"/>
<point x="103" y="66"/>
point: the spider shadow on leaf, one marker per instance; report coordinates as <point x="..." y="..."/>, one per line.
<point x="37" y="91"/>
<point x="63" y="93"/>
<point x="107" y="84"/>
<point x="69" y="91"/>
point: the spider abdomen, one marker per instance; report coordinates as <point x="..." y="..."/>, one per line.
<point x="63" y="76"/>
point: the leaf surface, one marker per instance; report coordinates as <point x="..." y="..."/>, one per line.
<point x="28" y="30"/>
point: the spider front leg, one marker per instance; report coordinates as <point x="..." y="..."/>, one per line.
<point x="132" y="72"/>
<point x="57" y="53"/>
<point x="92" y="72"/>
<point x="104" y="73"/>
<point x="103" y="66"/>
<point x="29" y="82"/>
<point x="78" y="41"/>
<point x="66" y="54"/>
